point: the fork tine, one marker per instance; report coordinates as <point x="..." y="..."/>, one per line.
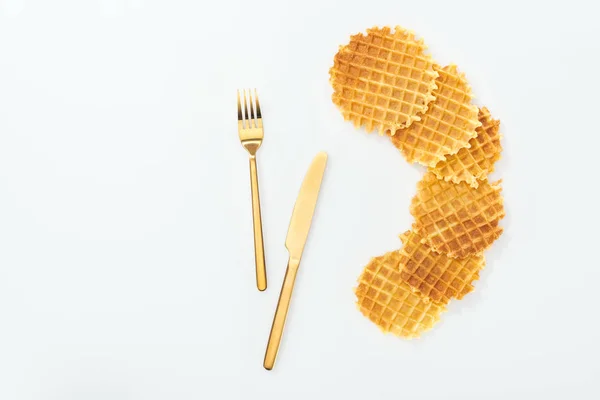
<point x="248" y="120"/>
<point x="258" y="114"/>
<point x="252" y="108"/>
<point x="240" y="116"/>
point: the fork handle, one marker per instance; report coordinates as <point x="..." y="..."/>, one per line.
<point x="259" y="249"/>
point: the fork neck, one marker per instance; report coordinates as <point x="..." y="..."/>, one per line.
<point x="252" y="148"/>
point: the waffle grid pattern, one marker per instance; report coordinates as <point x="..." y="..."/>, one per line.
<point x="436" y="276"/>
<point x="473" y="164"/>
<point x="383" y="80"/>
<point x="448" y="125"/>
<point x="457" y="219"/>
<point x="389" y="302"/>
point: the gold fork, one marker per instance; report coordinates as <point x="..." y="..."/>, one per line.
<point x="250" y="129"/>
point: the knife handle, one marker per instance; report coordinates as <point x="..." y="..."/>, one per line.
<point x="259" y="248"/>
<point x="281" y="313"/>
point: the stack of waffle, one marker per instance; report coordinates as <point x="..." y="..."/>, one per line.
<point x="386" y="81"/>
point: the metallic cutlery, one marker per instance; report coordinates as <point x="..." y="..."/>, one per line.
<point x="250" y="129"/>
<point x="295" y="241"/>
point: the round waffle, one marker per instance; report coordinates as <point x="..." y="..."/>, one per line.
<point x="436" y="276"/>
<point x="390" y="303"/>
<point x="477" y="161"/>
<point x="457" y="219"/>
<point x="447" y="126"/>
<point x="383" y="80"/>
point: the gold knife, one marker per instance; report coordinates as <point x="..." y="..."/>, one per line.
<point x="295" y="241"/>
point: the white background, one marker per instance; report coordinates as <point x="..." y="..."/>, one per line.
<point x="126" y="255"/>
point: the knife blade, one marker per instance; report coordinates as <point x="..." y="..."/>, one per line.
<point x="305" y="207"/>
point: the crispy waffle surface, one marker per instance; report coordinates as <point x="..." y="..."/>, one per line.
<point x="474" y="163"/>
<point x="457" y="219"/>
<point x="448" y="125"/>
<point x="436" y="276"/>
<point x="390" y="303"/>
<point x="383" y="80"/>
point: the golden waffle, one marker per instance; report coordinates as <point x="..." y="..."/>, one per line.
<point x="476" y="162"/>
<point x="455" y="218"/>
<point x="434" y="275"/>
<point x="383" y="80"/>
<point x="446" y="127"/>
<point x="389" y="302"/>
